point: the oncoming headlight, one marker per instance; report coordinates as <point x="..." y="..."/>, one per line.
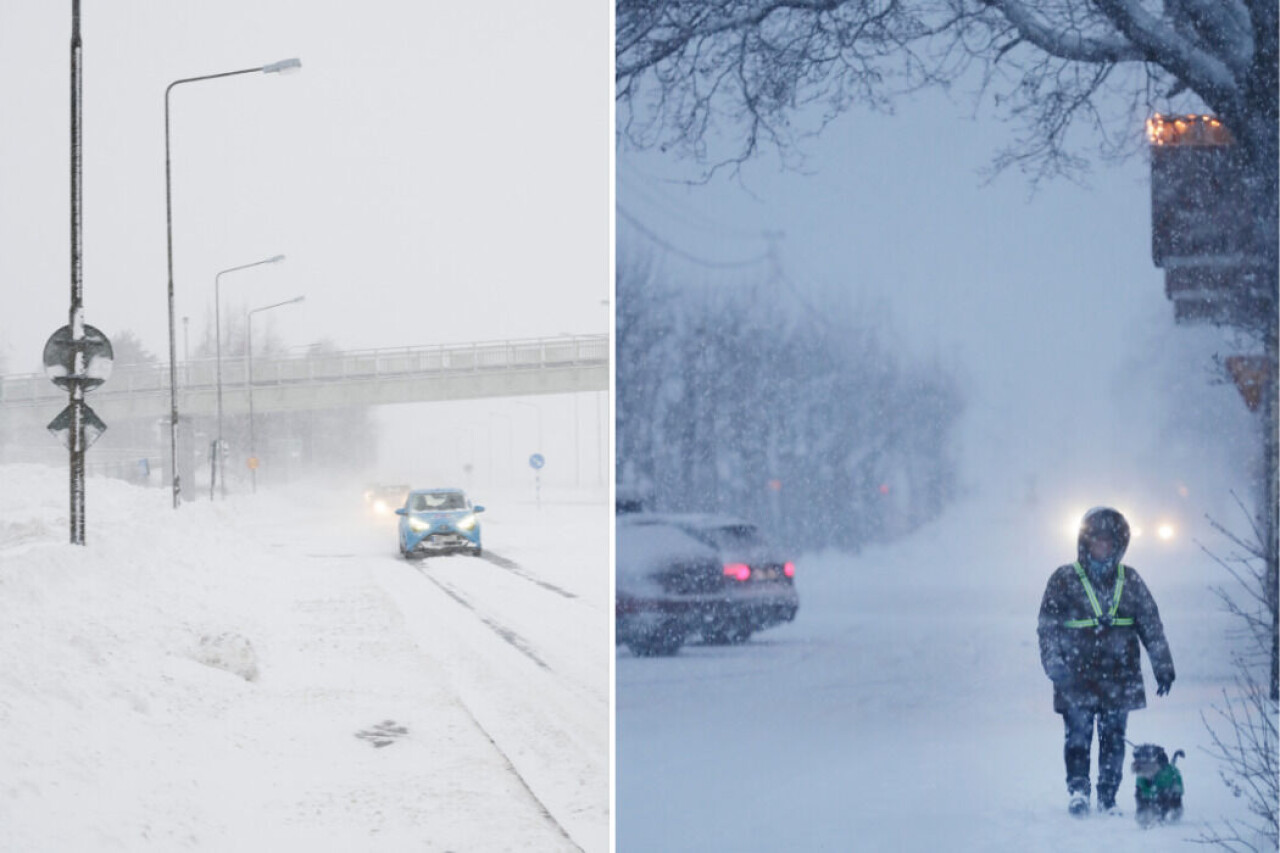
<point x="380" y="506"/>
<point x="417" y="525"/>
<point x="467" y="522"/>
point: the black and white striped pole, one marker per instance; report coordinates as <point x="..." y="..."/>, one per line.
<point x="77" y="356"/>
<point x="76" y="319"/>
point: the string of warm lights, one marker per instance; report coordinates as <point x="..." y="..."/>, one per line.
<point x="1198" y="130"/>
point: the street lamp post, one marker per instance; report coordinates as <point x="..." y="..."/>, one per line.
<point x="217" y="336"/>
<point x="253" y="454"/>
<point x="283" y="66"/>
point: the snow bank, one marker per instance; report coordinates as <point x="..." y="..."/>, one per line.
<point x="208" y="678"/>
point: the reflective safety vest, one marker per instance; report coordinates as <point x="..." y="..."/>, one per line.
<point x="1097" y="619"/>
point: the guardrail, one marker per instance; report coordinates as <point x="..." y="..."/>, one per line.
<point x="327" y="367"/>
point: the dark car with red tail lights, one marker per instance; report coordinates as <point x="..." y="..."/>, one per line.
<point x="683" y="574"/>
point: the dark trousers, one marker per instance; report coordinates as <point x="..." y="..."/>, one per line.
<point x="1079" y="737"/>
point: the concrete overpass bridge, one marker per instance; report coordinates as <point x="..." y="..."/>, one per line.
<point x="328" y="380"/>
<point x="136" y="397"/>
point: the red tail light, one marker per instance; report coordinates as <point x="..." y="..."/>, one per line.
<point x="789" y="569"/>
<point x="737" y="571"/>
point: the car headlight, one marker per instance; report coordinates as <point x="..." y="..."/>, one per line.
<point x="380" y="506"/>
<point x="467" y="523"/>
<point x="417" y="525"/>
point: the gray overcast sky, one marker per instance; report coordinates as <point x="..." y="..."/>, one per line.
<point x="1049" y="305"/>
<point x="435" y="173"/>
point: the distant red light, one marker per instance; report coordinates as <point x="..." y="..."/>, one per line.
<point x="737" y="571"/>
<point x="884" y="488"/>
<point x="789" y="569"/>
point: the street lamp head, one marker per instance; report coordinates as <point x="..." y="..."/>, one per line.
<point x="277" y="305"/>
<point x="284" y="66"/>
<point x="275" y="259"/>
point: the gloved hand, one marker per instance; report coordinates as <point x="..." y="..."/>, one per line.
<point x="1163" y="685"/>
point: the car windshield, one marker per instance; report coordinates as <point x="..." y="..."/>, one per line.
<point x="437" y="501"/>
<point x="730" y="536"/>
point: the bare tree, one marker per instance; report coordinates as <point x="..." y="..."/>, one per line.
<point x="725" y="80"/>
<point x="746" y="70"/>
<point x="728" y="403"/>
<point x="128" y="349"/>
<point x="1243" y="728"/>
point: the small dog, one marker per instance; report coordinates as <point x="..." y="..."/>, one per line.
<point x="1159" y="785"/>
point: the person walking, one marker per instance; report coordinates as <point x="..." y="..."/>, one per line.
<point x="1092" y="617"/>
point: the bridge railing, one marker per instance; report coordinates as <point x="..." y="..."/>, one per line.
<point x="329" y="367"/>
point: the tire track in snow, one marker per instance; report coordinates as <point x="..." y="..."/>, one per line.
<point x="520" y="645"/>
<point x="515" y="640"/>
<point x="506" y="759"/>
<point x="517" y="570"/>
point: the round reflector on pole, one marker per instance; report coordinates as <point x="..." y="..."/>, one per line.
<point x="60" y="358"/>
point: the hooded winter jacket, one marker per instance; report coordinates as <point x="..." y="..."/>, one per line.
<point x="1100" y="668"/>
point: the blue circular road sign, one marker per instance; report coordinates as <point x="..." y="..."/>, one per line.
<point x="536" y="461"/>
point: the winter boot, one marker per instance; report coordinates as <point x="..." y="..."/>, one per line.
<point x="1078" y="806"/>
<point x="1107" y="801"/>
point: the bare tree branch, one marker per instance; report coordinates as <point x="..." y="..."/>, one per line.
<point x="1068" y="44"/>
<point x="1047" y="67"/>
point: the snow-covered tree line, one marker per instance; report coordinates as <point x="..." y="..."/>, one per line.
<point x="732" y="400"/>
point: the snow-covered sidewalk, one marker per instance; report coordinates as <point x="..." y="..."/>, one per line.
<point x="905" y="709"/>
<point x="133" y="714"/>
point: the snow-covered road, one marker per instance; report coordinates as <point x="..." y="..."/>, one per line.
<point x="904" y="709"/>
<point x="449" y="704"/>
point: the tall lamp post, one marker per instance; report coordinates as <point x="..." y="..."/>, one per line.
<point x="217" y="336"/>
<point x="253" y="454"/>
<point x="280" y="67"/>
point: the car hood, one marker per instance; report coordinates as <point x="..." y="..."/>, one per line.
<point x="442" y="515"/>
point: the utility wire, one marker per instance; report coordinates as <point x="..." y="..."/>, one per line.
<point x="770" y="256"/>
<point x="776" y="273"/>
<point x="642" y="185"/>
<point x="688" y="256"/>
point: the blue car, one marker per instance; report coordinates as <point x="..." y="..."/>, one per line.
<point x="439" y="521"/>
